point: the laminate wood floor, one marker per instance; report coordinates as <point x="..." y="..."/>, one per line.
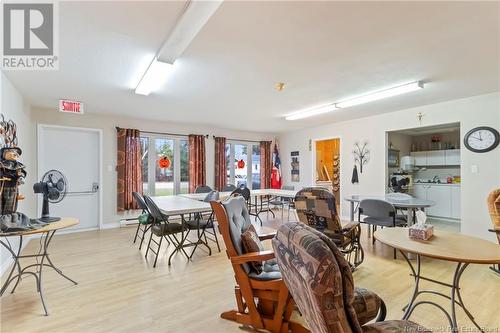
<point x="120" y="291"/>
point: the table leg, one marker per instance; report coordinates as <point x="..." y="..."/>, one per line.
<point x="16" y="263"/>
<point x="351" y="212"/>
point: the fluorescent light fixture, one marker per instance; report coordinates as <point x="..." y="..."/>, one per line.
<point x="155" y="76"/>
<point x="311" y="112"/>
<point x="374" y="96"/>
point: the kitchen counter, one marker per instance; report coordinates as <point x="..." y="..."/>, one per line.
<point x="437" y="184"/>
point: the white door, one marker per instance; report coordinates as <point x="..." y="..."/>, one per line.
<point x="76" y="153"/>
<point x="420" y="157"/>
<point x="452" y="157"/>
<point x="455" y="202"/>
<point x="419" y="191"/>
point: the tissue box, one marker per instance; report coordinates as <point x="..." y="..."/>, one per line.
<point x="421" y="232"/>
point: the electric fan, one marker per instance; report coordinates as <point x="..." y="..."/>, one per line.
<point x="53" y="186"/>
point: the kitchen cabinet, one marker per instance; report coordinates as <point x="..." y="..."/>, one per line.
<point x="420" y="157"/>
<point x="441" y="195"/>
<point x="446" y="197"/>
<point x="420" y="191"/>
<point x="452" y="157"/>
<point x="455" y="202"/>
<point x="435" y="158"/>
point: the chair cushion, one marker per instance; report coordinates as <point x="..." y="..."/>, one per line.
<point x="239" y="221"/>
<point x="251" y="243"/>
<point x="167" y="228"/>
<point x="145" y="218"/>
<point x="270" y="271"/>
<point x="366" y="304"/>
<point x="391" y="326"/>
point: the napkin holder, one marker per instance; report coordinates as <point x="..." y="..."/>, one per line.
<point x="421" y="230"/>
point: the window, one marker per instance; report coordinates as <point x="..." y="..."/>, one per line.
<point x="242" y="168"/>
<point x="161" y="181"/>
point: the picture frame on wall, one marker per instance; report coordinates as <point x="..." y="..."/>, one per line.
<point x="295" y="166"/>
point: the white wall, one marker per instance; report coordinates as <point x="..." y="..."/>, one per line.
<point x="470" y="112"/>
<point x="108" y="124"/>
<point x="13" y="106"/>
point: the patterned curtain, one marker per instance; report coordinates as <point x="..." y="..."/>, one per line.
<point x="220" y="163"/>
<point x="129" y="167"/>
<point x="265" y="164"/>
<point x="196" y="161"/>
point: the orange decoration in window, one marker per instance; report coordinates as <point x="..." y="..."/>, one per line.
<point x="164" y="162"/>
<point x="241" y="164"/>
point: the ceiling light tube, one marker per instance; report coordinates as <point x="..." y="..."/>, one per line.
<point x="155" y="76"/>
<point x="374" y="96"/>
<point x="311" y="112"/>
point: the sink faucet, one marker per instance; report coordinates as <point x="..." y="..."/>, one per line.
<point x="435" y="179"/>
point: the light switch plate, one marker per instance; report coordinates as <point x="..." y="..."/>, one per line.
<point x="474" y="169"/>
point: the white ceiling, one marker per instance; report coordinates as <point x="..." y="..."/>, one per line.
<point x="324" y="51"/>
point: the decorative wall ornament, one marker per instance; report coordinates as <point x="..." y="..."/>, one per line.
<point x="8" y="133"/>
<point x="361" y="155"/>
<point x="295" y="170"/>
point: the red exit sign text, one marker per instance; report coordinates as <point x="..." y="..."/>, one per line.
<point x="70" y="106"/>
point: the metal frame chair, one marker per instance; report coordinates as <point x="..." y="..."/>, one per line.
<point x="142" y="205"/>
<point x="164" y="229"/>
<point x="379" y="213"/>
<point x="203" y="189"/>
<point x="229" y="188"/>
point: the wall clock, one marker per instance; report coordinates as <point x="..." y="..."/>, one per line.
<point x="482" y="139"/>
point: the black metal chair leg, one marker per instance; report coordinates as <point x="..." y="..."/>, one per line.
<point x="137" y="231"/>
<point x="216" y="238"/>
<point x="157" y="252"/>
<point x="149" y="245"/>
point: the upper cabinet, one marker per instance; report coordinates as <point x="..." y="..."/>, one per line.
<point x="436" y="157"/>
<point x="452" y="157"/>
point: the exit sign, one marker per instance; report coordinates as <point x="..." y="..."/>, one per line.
<point x="69" y="106"/>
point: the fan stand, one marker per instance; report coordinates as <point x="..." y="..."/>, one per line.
<point x="45" y="211"/>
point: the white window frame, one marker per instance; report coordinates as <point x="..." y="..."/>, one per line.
<point x="152" y="160"/>
<point x="248" y="162"/>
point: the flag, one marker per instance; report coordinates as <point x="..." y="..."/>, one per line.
<point x="276" y="171"/>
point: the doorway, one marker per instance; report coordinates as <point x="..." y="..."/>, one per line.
<point x="76" y="153"/>
<point x="327" y="168"/>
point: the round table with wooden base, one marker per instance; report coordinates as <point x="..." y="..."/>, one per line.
<point x="46" y="234"/>
<point x="454" y="247"/>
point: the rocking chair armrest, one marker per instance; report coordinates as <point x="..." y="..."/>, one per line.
<point x="253" y="256"/>
<point x="267" y="236"/>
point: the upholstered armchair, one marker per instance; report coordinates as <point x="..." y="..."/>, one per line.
<point x="263" y="300"/>
<point x="315" y="206"/>
<point x="494" y="209"/>
<point x="321" y="283"/>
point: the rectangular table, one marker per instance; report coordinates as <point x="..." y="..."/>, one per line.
<point x="176" y="205"/>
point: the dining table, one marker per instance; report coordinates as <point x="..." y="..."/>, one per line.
<point x="460" y="249"/>
<point x="42" y="257"/>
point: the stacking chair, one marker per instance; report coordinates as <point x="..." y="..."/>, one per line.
<point x="229" y="188"/>
<point x="400" y="196"/>
<point x="315" y="207"/>
<point x="379" y="213"/>
<point x="144" y="220"/>
<point x="203" y="189"/>
<point x="164" y="229"/>
<point x="246" y="194"/>
<point x="494" y="210"/>
<point x="262" y="299"/>
<point x="202" y="226"/>
<point x="322" y="286"/>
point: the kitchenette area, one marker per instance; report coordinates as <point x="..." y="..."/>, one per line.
<point x="425" y="163"/>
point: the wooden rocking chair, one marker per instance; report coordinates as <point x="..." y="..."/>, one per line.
<point x="263" y="300"/>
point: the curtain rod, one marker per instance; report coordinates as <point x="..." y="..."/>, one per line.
<point x="163" y="133"/>
<point x="240" y="140"/>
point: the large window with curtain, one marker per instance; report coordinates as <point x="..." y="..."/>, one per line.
<point x="243" y="164"/>
<point x="165" y="164"/>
